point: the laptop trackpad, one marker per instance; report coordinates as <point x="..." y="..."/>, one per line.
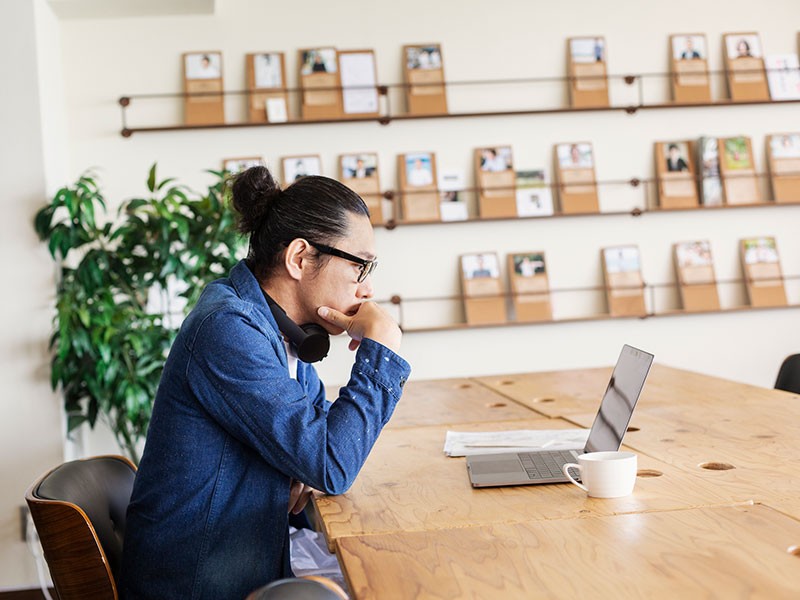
<point x="495" y="467"/>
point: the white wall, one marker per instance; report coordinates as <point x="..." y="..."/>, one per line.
<point x="30" y="438"/>
<point x="105" y="59"/>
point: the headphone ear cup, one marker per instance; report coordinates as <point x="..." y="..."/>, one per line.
<point x="315" y="345"/>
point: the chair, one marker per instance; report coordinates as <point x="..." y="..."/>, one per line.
<point x="789" y="375"/>
<point x="79" y="512"/>
<point x="310" y="587"/>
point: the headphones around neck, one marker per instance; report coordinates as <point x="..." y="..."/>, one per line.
<point x="311" y="342"/>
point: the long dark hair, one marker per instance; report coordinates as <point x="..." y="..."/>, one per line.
<point x="314" y="208"/>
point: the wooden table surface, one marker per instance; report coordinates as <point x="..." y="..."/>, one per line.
<point x="720" y="552"/>
<point x="413" y="527"/>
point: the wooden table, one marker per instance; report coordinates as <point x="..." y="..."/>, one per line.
<point x="722" y="552"/>
<point x="412" y="526"/>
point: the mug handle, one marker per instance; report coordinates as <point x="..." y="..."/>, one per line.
<point x="566" y="469"/>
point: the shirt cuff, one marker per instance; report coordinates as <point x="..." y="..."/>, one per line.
<point x="382" y="365"/>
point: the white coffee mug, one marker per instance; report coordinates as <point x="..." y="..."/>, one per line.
<point x="605" y="474"/>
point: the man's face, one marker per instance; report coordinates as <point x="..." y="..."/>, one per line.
<point x="335" y="284"/>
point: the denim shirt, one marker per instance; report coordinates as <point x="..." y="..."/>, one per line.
<point x="230" y="429"/>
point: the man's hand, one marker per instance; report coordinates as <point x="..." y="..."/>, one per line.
<point x="299" y="494"/>
<point x="371" y="321"/>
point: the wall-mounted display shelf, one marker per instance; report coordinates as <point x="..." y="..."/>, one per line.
<point x="633" y="92"/>
<point x="404" y="306"/>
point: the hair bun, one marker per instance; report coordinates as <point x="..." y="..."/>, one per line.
<point x="254" y="191"/>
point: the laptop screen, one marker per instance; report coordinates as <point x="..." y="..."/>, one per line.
<point x="616" y="409"/>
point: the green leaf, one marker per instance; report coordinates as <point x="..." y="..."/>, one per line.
<point x="151" y="178"/>
<point x="75" y="420"/>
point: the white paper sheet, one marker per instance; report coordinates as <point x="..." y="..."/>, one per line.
<point x="358" y="79"/>
<point x="464" y="443"/>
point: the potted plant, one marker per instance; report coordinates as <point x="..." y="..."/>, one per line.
<point x="108" y="342"/>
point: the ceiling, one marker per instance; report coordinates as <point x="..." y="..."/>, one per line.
<point x="112" y="9"/>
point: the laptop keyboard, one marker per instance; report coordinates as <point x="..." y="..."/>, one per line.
<point x="545" y="465"/>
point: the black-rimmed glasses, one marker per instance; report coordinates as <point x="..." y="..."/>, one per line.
<point x="367" y="266"/>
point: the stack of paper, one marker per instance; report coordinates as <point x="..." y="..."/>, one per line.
<point x="464" y="443"/>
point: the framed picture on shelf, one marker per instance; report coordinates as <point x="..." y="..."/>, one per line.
<point x="266" y="85"/>
<point x="423" y="68"/>
<point x="586" y="66"/>
<point x="202" y="83"/>
<point x="689" y="67"/>
<point x="738" y="171"/>
<point x="534" y="194"/>
<point x="359" y="78"/>
<point x="530" y="295"/>
<point x="623" y="280"/>
<point x="321" y="84"/>
<point x="451" y="186"/>
<point x="297" y="167"/>
<point x="359" y="172"/>
<point x="762" y="271"/>
<point x="696" y="280"/>
<point x="675" y="173"/>
<point x="783" y="160"/>
<point x="237" y="165"/>
<point x="417" y="175"/>
<point x="577" y="185"/>
<point x="484" y="302"/>
<point x="744" y="63"/>
<point x="496" y="181"/>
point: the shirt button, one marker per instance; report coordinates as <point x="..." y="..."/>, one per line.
<point x="402" y="382"/>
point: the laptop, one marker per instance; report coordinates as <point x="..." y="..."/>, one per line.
<point x="608" y="429"/>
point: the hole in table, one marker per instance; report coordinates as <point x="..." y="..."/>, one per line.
<point x="648" y="473"/>
<point x="716" y="466"/>
<point x="496" y="405"/>
<point x="544" y="400"/>
<point x="507" y="382"/>
<point x="795" y="550"/>
<point x="465" y="386"/>
<point x="666" y="440"/>
<point x="633" y="429"/>
<point x="764" y="436"/>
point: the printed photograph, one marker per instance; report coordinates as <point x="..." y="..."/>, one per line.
<point x="743" y="46"/>
<point x="587" y="50"/>
<point x="735" y="153"/>
<point x="419" y="169"/>
<point x="676" y="156"/>
<point x="268" y="70"/>
<point x="785" y="146"/>
<point x="783" y="76"/>
<point x="575" y="156"/>
<point x="688" y="47"/>
<point x="528" y="265"/>
<point x="534" y="194"/>
<point x="478" y="266"/>
<point x="359" y="166"/>
<point x="621" y="259"/>
<point x="424" y="57"/>
<point x="496" y="159"/>
<point x="237" y="165"/>
<point x="359" y="91"/>
<point x="203" y="65"/>
<point x="297" y="167"/>
<point x="694" y="254"/>
<point x="318" y="60"/>
<point x="711" y="189"/>
<point x="760" y="250"/>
